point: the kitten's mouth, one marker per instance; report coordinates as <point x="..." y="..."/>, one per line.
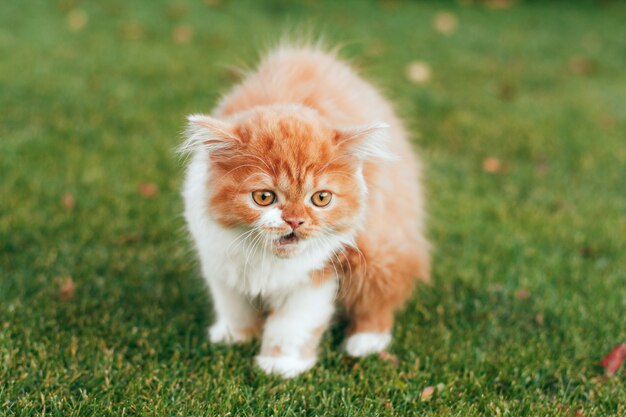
<point x="287" y="245"/>
<point x="288" y="239"/>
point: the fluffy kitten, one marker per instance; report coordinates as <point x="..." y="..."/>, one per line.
<point x="302" y="190"/>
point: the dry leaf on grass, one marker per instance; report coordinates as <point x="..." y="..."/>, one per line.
<point x="492" y="165"/>
<point x="389" y="357"/>
<point x="182" y="34"/>
<point x="132" y="31"/>
<point x="132" y="237"/>
<point x="177" y="11"/>
<point x="541" y="168"/>
<point x="427" y="393"/>
<point x="614" y="360"/>
<point x="67" y="290"/>
<point x="148" y="189"/>
<point x="580" y="65"/>
<point x="445" y="22"/>
<point x="376" y="48"/>
<point x="418" y="72"/>
<point x="77" y="20"/>
<point x="522" y="294"/>
<point x="68" y="201"/>
<point x="499" y="4"/>
<point x="506" y="92"/>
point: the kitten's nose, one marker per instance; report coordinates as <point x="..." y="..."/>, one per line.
<point x="294" y="222"/>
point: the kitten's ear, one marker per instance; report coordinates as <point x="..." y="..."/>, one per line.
<point x="208" y="133"/>
<point x="365" y="142"/>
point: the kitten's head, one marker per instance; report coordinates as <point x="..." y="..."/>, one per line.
<point x="287" y="174"/>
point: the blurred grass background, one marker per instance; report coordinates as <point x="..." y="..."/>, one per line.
<point x="517" y="109"/>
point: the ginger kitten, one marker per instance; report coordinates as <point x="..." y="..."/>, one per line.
<point x="302" y="193"/>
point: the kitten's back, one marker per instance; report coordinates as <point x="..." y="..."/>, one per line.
<point x="315" y="78"/>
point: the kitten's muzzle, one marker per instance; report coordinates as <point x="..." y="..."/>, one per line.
<point x="294" y="222"/>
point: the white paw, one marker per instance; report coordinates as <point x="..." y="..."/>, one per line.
<point x="363" y="344"/>
<point x="221" y="332"/>
<point x="286" y="366"/>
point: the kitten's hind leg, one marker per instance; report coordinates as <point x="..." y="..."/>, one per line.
<point x="369" y="331"/>
<point x="374" y="294"/>
<point x="236" y="319"/>
<point x="294" y="329"/>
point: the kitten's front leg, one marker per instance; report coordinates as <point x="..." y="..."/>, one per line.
<point x="236" y="318"/>
<point x="294" y="328"/>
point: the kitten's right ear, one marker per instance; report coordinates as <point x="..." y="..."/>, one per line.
<point x="205" y="132"/>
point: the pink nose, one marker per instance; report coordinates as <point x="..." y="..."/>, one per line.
<point x="294" y="222"/>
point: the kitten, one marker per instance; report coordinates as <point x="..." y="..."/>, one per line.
<point x="303" y="190"/>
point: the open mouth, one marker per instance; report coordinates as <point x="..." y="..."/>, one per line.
<point x="289" y="239"/>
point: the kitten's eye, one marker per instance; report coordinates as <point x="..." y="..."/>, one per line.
<point x="263" y="197"/>
<point x="321" y="198"/>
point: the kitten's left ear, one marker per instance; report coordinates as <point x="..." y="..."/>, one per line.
<point x="365" y="142"/>
<point x="208" y="133"/>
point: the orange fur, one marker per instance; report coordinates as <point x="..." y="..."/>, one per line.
<point x="285" y="130"/>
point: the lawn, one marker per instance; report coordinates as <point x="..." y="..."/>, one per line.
<point x="521" y="125"/>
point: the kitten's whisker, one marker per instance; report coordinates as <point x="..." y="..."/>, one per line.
<point x="240" y="239"/>
<point x="250" y="252"/>
<point x="267" y="242"/>
<point x="332" y="262"/>
<point x="347" y="275"/>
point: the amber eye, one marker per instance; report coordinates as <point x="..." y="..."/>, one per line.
<point x="263" y="197"/>
<point x="321" y="198"/>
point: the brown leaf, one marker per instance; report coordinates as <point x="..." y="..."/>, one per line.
<point x="612" y="362"/>
<point x="389" y="357"/>
<point x="76" y="20"/>
<point x="506" y="92"/>
<point x="182" y="34"/>
<point x="177" y="11"/>
<point x="522" y="294"/>
<point x="148" y="189"/>
<point x="541" y="168"/>
<point x="499" y="4"/>
<point x="132" y="31"/>
<point x="376" y="48"/>
<point x="445" y="22"/>
<point x="580" y="65"/>
<point x="427" y="393"/>
<point x="492" y="165"/>
<point x="418" y="72"/>
<point x="68" y="201"/>
<point x="67" y="290"/>
<point x="607" y="122"/>
<point x="132" y="237"/>
<point x="586" y="251"/>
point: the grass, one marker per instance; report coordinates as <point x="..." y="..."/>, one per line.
<point x="529" y="272"/>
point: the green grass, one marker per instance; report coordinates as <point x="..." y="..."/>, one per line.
<point x="98" y="111"/>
